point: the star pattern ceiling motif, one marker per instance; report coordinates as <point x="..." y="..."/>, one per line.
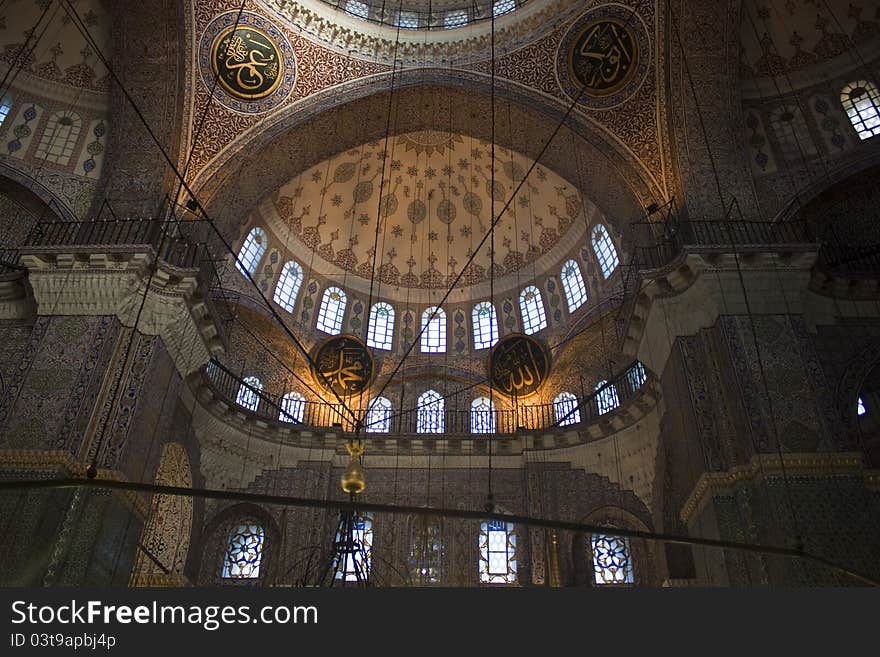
<point x="433" y="205"/>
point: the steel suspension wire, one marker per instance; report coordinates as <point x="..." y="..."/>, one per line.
<point x="464" y="514"/>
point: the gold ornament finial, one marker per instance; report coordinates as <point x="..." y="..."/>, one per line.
<point x="353" y="478"/>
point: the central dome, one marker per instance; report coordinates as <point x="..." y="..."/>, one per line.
<point x="431" y="193"/>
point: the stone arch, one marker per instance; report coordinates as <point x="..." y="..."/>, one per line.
<point x="307" y="133"/>
<point x="642" y="552"/>
<point x="213" y="544"/>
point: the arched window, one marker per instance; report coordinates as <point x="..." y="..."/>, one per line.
<point x="792" y="133"/>
<point x="606" y="398"/>
<point x="249" y="393"/>
<point x="497" y="552"/>
<point x="252" y="251"/>
<point x="605" y="252"/>
<point x="861" y="101"/>
<point x="430" y="413"/>
<point x="357" y="8"/>
<point x="482" y="415"/>
<point x="485" y="326"/>
<point x="426" y="550"/>
<point x="503" y="7"/>
<point x="637" y="376"/>
<point x="434" y="337"/>
<point x="244" y="551"/>
<point x="59" y="138"/>
<point x="408" y="20"/>
<point x="357" y="555"/>
<point x="331" y="311"/>
<point x="573" y="285"/>
<point x="379" y="416"/>
<point x="288" y="285"/>
<point x="612" y="562"/>
<point x="455" y="18"/>
<point x="861" y="408"/>
<point x="565" y="406"/>
<point x="5" y="106"/>
<point x="380" y="332"/>
<point x="293" y="407"/>
<point x="532" y="308"/>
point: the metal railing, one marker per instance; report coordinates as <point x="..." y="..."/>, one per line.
<point x="271" y="407"/>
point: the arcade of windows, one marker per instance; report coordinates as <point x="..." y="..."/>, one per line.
<point x="497" y="542"/>
<point x="380" y="327"/>
<point x="411" y="20"/>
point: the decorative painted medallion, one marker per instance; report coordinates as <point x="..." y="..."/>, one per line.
<point x="518" y="365"/>
<point x="343" y="364"/>
<point x="247" y="61"/>
<point x="603" y="58"/>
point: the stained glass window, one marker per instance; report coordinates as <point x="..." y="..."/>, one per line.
<point x="248" y="393"/>
<point x="482" y="415"/>
<point x="637" y="375"/>
<point x="5" y="106"/>
<point x="244" y="551"/>
<point x="862" y="409"/>
<point x="497" y="552"/>
<point x="565" y="406"/>
<point x="861" y="101"/>
<point x="485" y="326"/>
<point x="612" y="563"/>
<point x="434" y="337"/>
<point x="357" y="8"/>
<point x="605" y="252"/>
<point x="455" y="18"/>
<point x="332" y="310"/>
<point x="252" y="251"/>
<point x="430" y="413"/>
<point x="380" y="333"/>
<point x="503" y="7"/>
<point x="573" y="285"/>
<point x="59" y="138"/>
<point x="379" y="416"/>
<point x="531" y="305"/>
<point x="288" y="285"/>
<point x="606" y="398"/>
<point x="293" y="407"/>
<point x="426" y="551"/>
<point x="357" y="551"/>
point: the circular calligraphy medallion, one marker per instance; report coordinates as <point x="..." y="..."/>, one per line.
<point x="247" y="62"/>
<point x="343" y="364"/>
<point x="518" y="365"/>
<point x="603" y="58"/>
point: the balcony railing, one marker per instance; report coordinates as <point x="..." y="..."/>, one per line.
<point x="270" y="407"/>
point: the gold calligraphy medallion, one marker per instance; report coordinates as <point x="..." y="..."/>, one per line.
<point x="518" y="365"/>
<point x="247" y="62"/>
<point x="603" y="57"/>
<point x="343" y="364"/>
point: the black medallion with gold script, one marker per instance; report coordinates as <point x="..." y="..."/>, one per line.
<point x="603" y="57"/>
<point x="518" y="365"/>
<point x="343" y="364"/>
<point x="247" y="62"/>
